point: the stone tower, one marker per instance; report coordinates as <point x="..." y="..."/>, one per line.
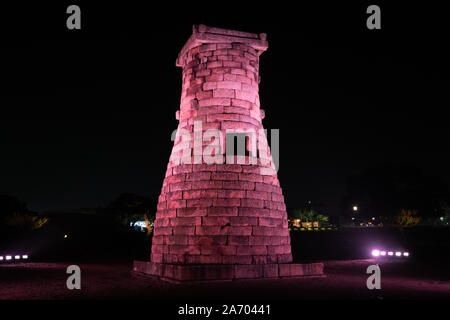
<point x="221" y="214"/>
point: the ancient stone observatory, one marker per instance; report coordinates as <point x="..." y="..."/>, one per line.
<point x="226" y="218"/>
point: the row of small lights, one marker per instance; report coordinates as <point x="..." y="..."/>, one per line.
<point x="383" y="253"/>
<point x="16" y="257"/>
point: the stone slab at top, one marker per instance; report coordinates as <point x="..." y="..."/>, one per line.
<point x="203" y="34"/>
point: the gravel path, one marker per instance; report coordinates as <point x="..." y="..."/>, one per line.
<point x="343" y="280"/>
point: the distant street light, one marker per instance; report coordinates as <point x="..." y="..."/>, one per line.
<point x="355" y="208"/>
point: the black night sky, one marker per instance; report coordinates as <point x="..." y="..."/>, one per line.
<point x="88" y="115"/>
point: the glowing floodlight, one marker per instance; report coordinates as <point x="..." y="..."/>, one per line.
<point x="390" y="253"/>
<point x="8" y="258"/>
<point x="1" y="258"/>
<point x="406" y="254"/>
<point x="17" y="257"/>
<point x="382" y="253"/>
<point x="25" y="256"/>
<point x="375" y="253"/>
<point x="398" y="254"/>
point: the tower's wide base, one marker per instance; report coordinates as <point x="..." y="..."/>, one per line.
<point x="180" y="273"/>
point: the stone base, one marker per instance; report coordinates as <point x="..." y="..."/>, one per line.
<point x="181" y="273"/>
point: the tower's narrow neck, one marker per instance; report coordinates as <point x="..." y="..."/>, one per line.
<point x="220" y="78"/>
<point x="220" y="92"/>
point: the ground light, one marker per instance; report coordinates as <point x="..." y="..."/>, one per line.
<point x="377" y="253"/>
<point x="15" y="257"/>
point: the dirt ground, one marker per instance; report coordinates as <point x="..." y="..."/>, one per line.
<point x="114" y="280"/>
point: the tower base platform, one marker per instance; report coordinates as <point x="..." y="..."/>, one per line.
<point x="226" y="272"/>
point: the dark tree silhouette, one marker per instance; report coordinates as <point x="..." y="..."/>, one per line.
<point x="14" y="214"/>
<point x="10" y="204"/>
<point x="129" y="208"/>
<point x="386" y="190"/>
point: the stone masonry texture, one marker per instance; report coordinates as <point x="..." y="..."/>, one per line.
<point x="221" y="213"/>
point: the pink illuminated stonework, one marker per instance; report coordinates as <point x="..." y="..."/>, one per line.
<point x="221" y="216"/>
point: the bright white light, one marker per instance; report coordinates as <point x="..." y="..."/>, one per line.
<point x="1" y="258"/>
<point x="375" y="253"/>
<point x="8" y="258"/>
<point x="17" y="257"/>
<point x="25" y="256"/>
<point x="406" y="254"/>
<point x="398" y="254"/>
<point x="353" y="218"/>
<point x="141" y="224"/>
<point x="355" y="208"/>
<point x="373" y="218"/>
<point x="383" y="253"/>
<point x="390" y="253"/>
<point x="65" y="236"/>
